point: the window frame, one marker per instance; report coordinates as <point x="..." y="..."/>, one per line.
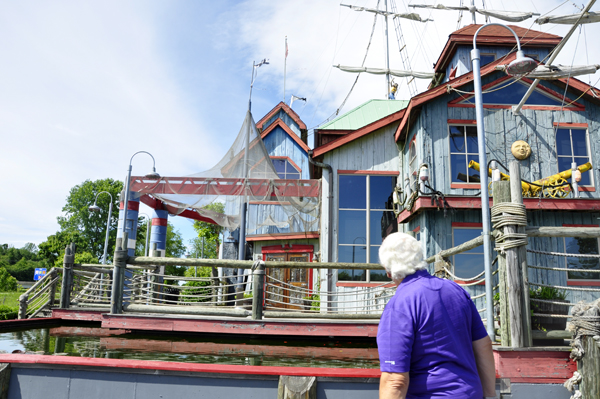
<point x="291" y="163"/>
<point x="580" y="282"/>
<point x="368" y="210"/>
<point x="466" y="226"/>
<point x="413" y="161"/>
<point x="464" y="124"/>
<point x="571" y="127"/>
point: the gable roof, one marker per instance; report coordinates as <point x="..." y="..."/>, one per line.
<point x="365" y="114"/>
<point x="394" y="117"/>
<point x="294" y="136"/>
<point x="592" y="93"/>
<point x="285" y="108"/>
<point x="493" y="36"/>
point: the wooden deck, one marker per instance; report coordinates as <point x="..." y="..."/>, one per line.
<point x="225" y="325"/>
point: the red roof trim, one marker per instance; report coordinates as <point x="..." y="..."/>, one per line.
<point x="289" y="131"/>
<point x="494" y="36"/>
<point x="363" y="131"/>
<point x="568" y="204"/>
<point x="467" y="78"/>
<point x="286" y="108"/>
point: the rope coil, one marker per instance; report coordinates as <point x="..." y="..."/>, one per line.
<point x="509" y="214"/>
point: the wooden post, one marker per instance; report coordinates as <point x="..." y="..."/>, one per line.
<point x="23" y="306"/>
<point x="120" y="262"/>
<point x="52" y="296"/>
<point x="295" y="387"/>
<point x="157" y="289"/>
<point x="5" y="380"/>
<point x="513" y="272"/>
<point x="67" y="279"/>
<point x="501" y="190"/>
<point x="259" y="292"/>
<point x="516" y="196"/>
<point x="589" y="368"/>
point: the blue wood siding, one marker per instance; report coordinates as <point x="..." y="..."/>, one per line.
<point x="286" y="119"/>
<point x="502" y="129"/>
<point x="462" y="57"/>
<point x="280" y="144"/>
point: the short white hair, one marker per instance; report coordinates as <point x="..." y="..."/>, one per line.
<point x="401" y="255"/>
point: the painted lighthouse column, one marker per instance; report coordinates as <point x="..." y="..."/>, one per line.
<point x="158" y="233"/>
<point x="131" y="221"/>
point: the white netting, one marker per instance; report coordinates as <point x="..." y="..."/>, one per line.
<point x="275" y="206"/>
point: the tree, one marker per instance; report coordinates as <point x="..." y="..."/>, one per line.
<point x="91" y="226"/>
<point x="21" y="262"/>
<point x="209" y="232"/>
<point x="53" y="249"/>
<point x="174" y="246"/>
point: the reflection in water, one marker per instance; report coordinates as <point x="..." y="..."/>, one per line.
<point x="121" y="344"/>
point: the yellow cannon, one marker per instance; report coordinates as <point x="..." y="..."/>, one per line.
<point x="552" y="186"/>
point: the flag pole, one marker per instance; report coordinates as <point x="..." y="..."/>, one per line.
<point x="284" y="68"/>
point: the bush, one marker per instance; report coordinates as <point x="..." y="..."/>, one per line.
<point x="7" y="282"/>
<point x="8" y="313"/>
<point x="24" y="269"/>
<point x="547" y="293"/>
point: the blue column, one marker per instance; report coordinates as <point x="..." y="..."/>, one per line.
<point x="131" y="222"/>
<point x="158" y="234"/>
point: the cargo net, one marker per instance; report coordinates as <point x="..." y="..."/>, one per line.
<point x="245" y="173"/>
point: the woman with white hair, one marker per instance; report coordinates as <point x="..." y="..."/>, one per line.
<point x="431" y="340"/>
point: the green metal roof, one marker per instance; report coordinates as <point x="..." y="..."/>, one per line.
<point x="365" y="114"/>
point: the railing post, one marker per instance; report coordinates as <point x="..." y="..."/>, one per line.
<point x="501" y="191"/>
<point x="52" y="296"/>
<point x="67" y="280"/>
<point x="23" y="306"/>
<point x="120" y="262"/>
<point x="258" y="292"/>
<point x="157" y="289"/>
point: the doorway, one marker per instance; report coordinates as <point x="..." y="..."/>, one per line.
<point x="287" y="287"/>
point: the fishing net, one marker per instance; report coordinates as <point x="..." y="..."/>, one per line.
<point x="245" y="174"/>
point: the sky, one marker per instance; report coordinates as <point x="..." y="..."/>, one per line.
<point x="85" y="85"/>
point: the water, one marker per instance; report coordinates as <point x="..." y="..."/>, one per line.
<point x="86" y="341"/>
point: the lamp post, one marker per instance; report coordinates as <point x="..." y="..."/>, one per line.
<point x="117" y="288"/>
<point x="96" y="208"/>
<point x="520" y="66"/>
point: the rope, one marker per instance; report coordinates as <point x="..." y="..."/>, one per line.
<point x="504" y="214"/>
<point x="565" y="288"/>
<point x="585" y="322"/>
<point x="565" y="254"/>
<point x="563" y="269"/>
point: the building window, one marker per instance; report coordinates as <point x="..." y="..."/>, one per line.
<point x="365" y="217"/>
<point x="285" y="168"/>
<point x="467" y="265"/>
<point x="463" y="149"/>
<point x="485" y="59"/>
<point x="572" y="146"/>
<point x="582" y="245"/>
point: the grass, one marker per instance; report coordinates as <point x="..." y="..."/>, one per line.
<point x="10" y="299"/>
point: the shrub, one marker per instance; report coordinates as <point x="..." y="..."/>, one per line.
<point x="8" y="313"/>
<point x="547" y="293"/>
<point x="7" y="282"/>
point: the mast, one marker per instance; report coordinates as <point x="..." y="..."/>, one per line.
<point x="473" y="12"/>
<point x="387" y="56"/>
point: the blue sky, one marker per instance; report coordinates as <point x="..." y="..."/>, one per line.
<point x="85" y="85"/>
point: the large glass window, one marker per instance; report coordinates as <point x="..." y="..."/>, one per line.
<point x="581" y="245"/>
<point x="511" y="94"/>
<point x="469" y="264"/>
<point x="485" y="59"/>
<point x="365" y="217"/>
<point x="571" y="146"/>
<point x="463" y="149"/>
<point x="285" y="169"/>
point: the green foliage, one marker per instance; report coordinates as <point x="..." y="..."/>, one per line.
<point x="80" y="257"/>
<point x="548" y="293"/>
<point x="24" y="269"/>
<point x="208" y="234"/>
<point x="8" y="313"/>
<point x="7" y="282"/>
<point x="91" y="226"/>
<point x="53" y="249"/>
<point x="197" y="291"/>
<point x="21" y="262"/>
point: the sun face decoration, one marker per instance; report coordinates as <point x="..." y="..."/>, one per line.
<point x="520" y="150"/>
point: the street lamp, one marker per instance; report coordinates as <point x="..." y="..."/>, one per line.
<point x="520" y="66"/>
<point x="117" y="290"/>
<point x="96" y="208"/>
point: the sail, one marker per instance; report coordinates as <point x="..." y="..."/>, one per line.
<point x="589" y="17"/>
<point x="510" y="16"/>
<point x="411" y="16"/>
<point x="552" y="72"/>
<point x="384" y="71"/>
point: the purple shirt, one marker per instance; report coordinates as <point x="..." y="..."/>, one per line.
<point x="427" y="329"/>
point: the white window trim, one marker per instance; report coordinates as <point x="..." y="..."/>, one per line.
<point x="587" y="146"/>
<point x="450" y="153"/>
